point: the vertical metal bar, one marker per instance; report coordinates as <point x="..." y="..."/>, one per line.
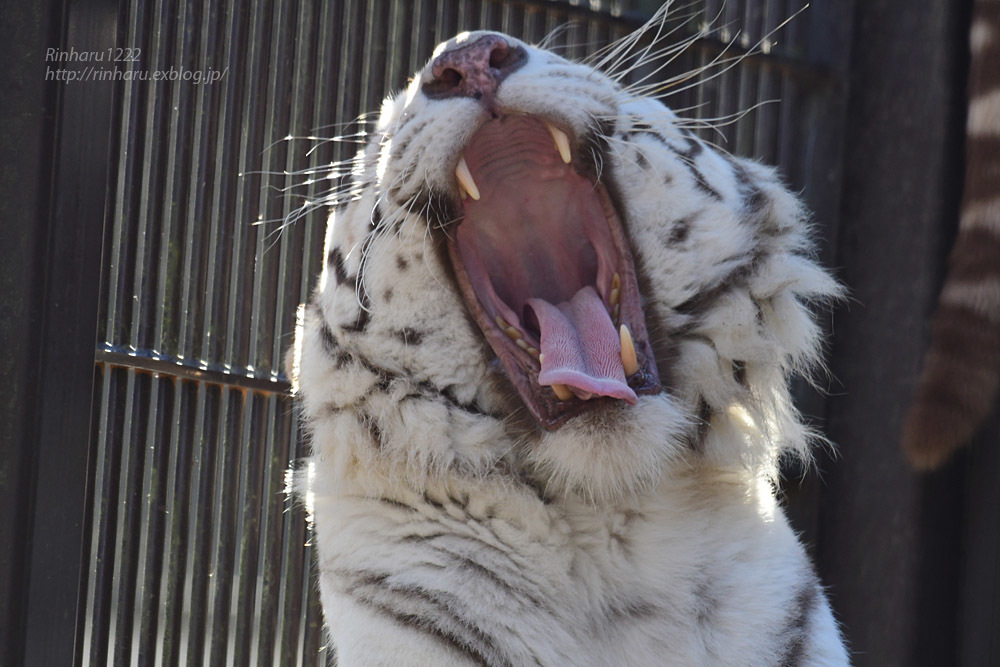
<point x="122" y="206"/>
<point x="369" y="95"/>
<point x="169" y="260"/>
<point x="166" y="630"/>
<point x="147" y="194"/>
<point x="98" y="520"/>
<point x="270" y="286"/>
<point x="242" y="533"/>
<point x="214" y="648"/>
<point x="196" y="188"/>
<point x="246" y="119"/>
<point x="121" y="566"/>
<point x="210" y="333"/>
<point x="148" y="500"/>
<point x="347" y="77"/>
<point x="261" y="633"/>
<point x="199" y="465"/>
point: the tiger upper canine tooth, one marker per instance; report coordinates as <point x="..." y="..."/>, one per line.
<point x="629" y="362"/>
<point x="465" y="182"/>
<point x="562" y="392"/>
<point x="562" y="142"/>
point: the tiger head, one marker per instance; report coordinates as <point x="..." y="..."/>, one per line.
<point x="536" y="269"/>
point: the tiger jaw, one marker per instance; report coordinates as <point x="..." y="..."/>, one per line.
<point x="544" y="266"/>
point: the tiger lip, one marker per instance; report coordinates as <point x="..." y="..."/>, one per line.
<point x="603" y="262"/>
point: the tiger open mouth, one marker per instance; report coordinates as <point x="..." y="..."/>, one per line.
<point x="545" y="269"/>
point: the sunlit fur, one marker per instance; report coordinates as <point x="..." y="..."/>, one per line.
<point x="452" y="530"/>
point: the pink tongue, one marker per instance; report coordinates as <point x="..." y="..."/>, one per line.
<point x="581" y="347"/>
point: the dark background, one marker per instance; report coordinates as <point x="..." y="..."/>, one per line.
<point x="146" y="425"/>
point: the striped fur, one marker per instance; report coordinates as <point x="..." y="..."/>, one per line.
<point x="453" y="530"/>
<point x="958" y="387"/>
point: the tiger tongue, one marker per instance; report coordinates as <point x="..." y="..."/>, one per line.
<point x="580" y="347"/>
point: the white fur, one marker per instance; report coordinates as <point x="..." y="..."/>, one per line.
<point x="450" y="534"/>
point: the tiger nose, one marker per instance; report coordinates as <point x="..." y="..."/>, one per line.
<point x="474" y="70"/>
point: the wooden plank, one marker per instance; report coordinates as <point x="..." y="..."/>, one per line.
<point x="979" y="614"/>
<point x="902" y="184"/>
<point x="62" y="396"/>
<point x="27" y="131"/>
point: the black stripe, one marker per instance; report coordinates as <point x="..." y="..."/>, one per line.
<point x="645" y="128"/>
<point x="384" y="377"/>
<point x="707" y="602"/>
<point x="330" y="345"/>
<point x="704" y="422"/>
<point x="402" y="139"/>
<point x="422" y="625"/>
<point x="409" y="336"/>
<point x="436" y="208"/>
<point x="336" y="260"/>
<point x="634" y="611"/>
<point x="433" y="503"/>
<point x="481" y="570"/>
<point x="448" y="394"/>
<point x="479" y="542"/>
<point x="699" y="180"/>
<point x="642" y="162"/>
<point x="431" y="391"/>
<point x="376" y="217"/>
<point x="755" y="202"/>
<point x="679" y="232"/>
<point x="701" y="302"/>
<point x="798" y="626"/>
<point x="740" y="373"/>
<point x="425" y="390"/>
<point x="404" y="604"/>
<point x="395" y="503"/>
<point x="374" y="429"/>
<point x="694" y="147"/>
<point x="360" y="323"/>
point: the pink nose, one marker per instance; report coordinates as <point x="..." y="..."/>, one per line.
<point x="474" y="70"/>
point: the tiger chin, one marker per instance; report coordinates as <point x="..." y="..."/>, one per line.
<point x="545" y="376"/>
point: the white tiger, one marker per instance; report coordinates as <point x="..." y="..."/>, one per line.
<point x="546" y="375"/>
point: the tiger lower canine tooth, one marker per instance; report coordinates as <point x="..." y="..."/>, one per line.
<point x="465" y="182"/>
<point x="629" y="362"/>
<point x="562" y="142"/>
<point x="562" y="392"/>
